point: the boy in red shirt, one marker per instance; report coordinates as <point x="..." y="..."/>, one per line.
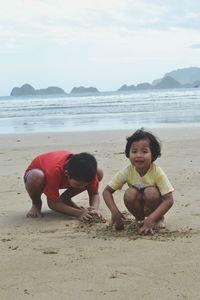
<point x="56" y="170"/>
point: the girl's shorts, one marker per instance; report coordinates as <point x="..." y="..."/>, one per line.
<point x="147" y="211"/>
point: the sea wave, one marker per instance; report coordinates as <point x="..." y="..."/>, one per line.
<point x="102" y="111"/>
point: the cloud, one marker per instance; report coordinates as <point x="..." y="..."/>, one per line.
<point x="66" y="20"/>
<point x="105" y="30"/>
<point x="195" y="46"/>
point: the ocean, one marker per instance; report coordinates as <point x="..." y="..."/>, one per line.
<point x="102" y="111"/>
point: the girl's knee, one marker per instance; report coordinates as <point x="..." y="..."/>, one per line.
<point x="130" y="195"/>
<point x="151" y="195"/>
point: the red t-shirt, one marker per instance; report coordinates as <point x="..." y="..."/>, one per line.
<point x="52" y="164"/>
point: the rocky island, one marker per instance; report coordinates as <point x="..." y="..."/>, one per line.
<point x="28" y="90"/>
<point x="180" y="78"/>
<point x="82" y="89"/>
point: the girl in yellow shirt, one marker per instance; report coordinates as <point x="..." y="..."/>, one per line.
<point x="149" y="193"/>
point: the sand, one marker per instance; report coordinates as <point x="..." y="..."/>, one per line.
<point x="58" y="257"/>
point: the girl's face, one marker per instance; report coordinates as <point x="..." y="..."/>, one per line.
<point x="140" y="156"/>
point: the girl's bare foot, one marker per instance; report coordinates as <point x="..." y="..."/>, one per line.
<point x="160" y="225"/>
<point x="34" y="212"/>
<point x="136" y="224"/>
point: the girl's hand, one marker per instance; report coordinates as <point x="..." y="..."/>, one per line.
<point x="117" y="220"/>
<point x="147" y="226"/>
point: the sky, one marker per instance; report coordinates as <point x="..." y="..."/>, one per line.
<point x="100" y="43"/>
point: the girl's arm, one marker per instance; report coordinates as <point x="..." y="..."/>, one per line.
<point x="161" y="210"/>
<point x="157" y="214"/>
<point x="109" y="200"/>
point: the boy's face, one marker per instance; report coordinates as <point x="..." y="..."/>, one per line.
<point x="140" y="155"/>
<point x="78" y="184"/>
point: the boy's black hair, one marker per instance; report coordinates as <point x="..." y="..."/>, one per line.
<point x="82" y="166"/>
<point x="141" y="134"/>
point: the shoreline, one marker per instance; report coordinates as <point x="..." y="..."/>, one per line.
<point x="152" y="127"/>
<point x="183" y="132"/>
<point x="73" y="258"/>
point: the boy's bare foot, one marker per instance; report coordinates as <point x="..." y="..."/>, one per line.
<point x="34" y="212"/>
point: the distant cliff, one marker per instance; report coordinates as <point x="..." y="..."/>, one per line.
<point x="27" y="89"/>
<point x="82" y="89"/>
<point x="185" y="76"/>
<point x="165" y="83"/>
<point x="181" y="78"/>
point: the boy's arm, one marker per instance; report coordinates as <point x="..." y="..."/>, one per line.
<point x="82" y="214"/>
<point x="94" y="201"/>
<point x="109" y="200"/>
<point x="157" y="214"/>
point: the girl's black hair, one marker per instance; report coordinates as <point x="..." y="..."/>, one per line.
<point x="82" y="166"/>
<point x="141" y="134"/>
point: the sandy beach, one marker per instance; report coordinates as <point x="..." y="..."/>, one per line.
<point x="58" y="257"/>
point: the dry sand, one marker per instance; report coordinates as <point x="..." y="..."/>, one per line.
<point x="58" y="257"/>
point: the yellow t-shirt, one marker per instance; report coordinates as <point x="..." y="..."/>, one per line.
<point x="155" y="176"/>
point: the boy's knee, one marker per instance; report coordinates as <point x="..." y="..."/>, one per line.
<point x="99" y="174"/>
<point x="36" y="178"/>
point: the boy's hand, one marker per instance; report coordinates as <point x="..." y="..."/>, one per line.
<point x="147" y="226"/>
<point x="85" y="215"/>
<point x="95" y="212"/>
